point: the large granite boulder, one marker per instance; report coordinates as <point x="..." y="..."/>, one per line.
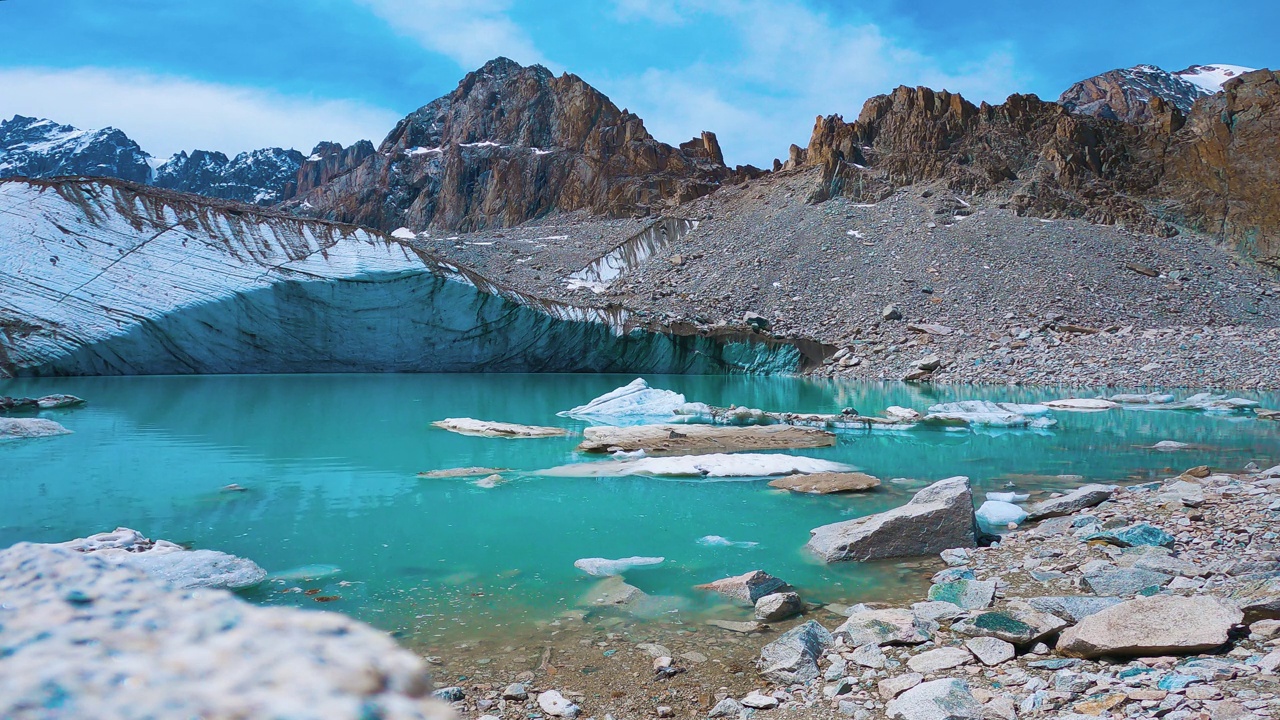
<point x="793" y="657"/>
<point x="937" y="700"/>
<point x="1151" y="626"/>
<point x="1079" y="499"/>
<point x="937" y="518"/>
<point x="88" y="638"/>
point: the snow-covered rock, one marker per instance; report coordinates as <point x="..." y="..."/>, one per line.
<point x="36" y="148"/>
<point x="168" y="562"/>
<point x="258" y="177"/>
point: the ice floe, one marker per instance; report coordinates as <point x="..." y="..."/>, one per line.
<point x="603" y="567"/>
<point x="718" y="465"/>
<point x="721" y="541"/>
<point x="990" y="414"/>
<point x="486" y="428"/>
<point x="1008" y="497"/>
<point x="996" y="515"/>
<point x="632" y="404"/>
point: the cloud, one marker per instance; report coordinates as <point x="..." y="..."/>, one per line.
<point x="764" y="94"/>
<point x="167" y="114"/>
<point x="470" y="32"/>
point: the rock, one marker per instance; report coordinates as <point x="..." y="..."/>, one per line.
<point x="449" y="694"/>
<point x="793" y="657"/>
<point x="612" y="590"/>
<point x="26" y="428"/>
<point x="930" y="328"/>
<point x="967" y="594"/>
<point x="170" y="563"/>
<point x="890" y="313"/>
<point x="885" y="627"/>
<point x="934" y="611"/>
<point x="59" y="402"/>
<point x="892" y="687"/>
<point x="118" y="644"/>
<point x="747" y="588"/>
<point x="990" y="651"/>
<point x="18" y="405"/>
<point x="602" y="567"/>
<point x="726" y="708"/>
<point x="654" y="649"/>
<point x="937" y="518"/>
<point x="1079" y="499"/>
<point x="758" y="701"/>
<point x="515" y="691"/>
<point x="1133" y="535"/>
<point x="869" y="656"/>
<point x="557" y="705"/>
<point x="995" y="514"/>
<point x="756" y="321"/>
<point x="943" y="658"/>
<point x="661" y="440"/>
<point x="1151" y="626"/>
<point x="928" y="363"/>
<point x="1073" y="608"/>
<point x="826" y="483"/>
<point x="778" y="606"/>
<point x="486" y="428"/>
<point x="1143" y="269"/>
<point x="1125" y="581"/>
<point x="1259" y="600"/>
<point x="749" y="626"/>
<point x="955" y="557"/>
<point x="1020" y="626"/>
<point x="936" y="700"/>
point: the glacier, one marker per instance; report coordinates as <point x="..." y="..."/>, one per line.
<point x="104" y="277"/>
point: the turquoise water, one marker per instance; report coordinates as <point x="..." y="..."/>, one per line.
<point x="330" y="464"/>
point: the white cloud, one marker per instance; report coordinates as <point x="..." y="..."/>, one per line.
<point x="168" y="114"/>
<point x="763" y="96"/>
<point x="470" y="32"/>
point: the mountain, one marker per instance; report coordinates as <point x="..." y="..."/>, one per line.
<point x="1213" y="169"/>
<point x="510" y="144"/>
<point x="35" y="148"/>
<point x="30" y="147"/>
<point x="1125" y="94"/>
<point x="327" y="161"/>
<point x="259" y="177"/>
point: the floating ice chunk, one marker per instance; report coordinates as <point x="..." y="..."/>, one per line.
<point x="305" y="573"/>
<point x="632" y="404"/>
<point x="987" y="413"/>
<point x="602" y="567"/>
<point x="1211" y="403"/>
<point x="1082" y="404"/>
<point x="487" y="428"/>
<point x="721" y="541"/>
<point x="1170" y="445"/>
<point x="995" y="514"/>
<point x="720" y="465"/>
<point x="1141" y="398"/>
<point x="1008" y="497"/>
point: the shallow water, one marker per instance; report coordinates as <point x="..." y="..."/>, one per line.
<point x="330" y="464"/>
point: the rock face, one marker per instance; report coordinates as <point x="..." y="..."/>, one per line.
<point x="31" y="147"/>
<point x="1126" y="94"/>
<point x="513" y="143"/>
<point x="1150" y="626"/>
<point x="157" y="652"/>
<point x="113" y="278"/>
<point x="937" y="518"/>
<point x="327" y="161"/>
<point x="258" y="177"/>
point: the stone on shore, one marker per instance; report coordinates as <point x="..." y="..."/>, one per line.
<point x="968" y="594"/>
<point x="659" y="440"/>
<point x="1018" y="625"/>
<point x="1152" y="626"/>
<point x="170" y="563"/>
<point x="893" y="626"/>
<point x="793" y="657"/>
<point x="27" y="428"/>
<point x="84" y="637"/>
<point x="990" y="651"/>
<point x="826" y="483"/>
<point x="939" y="659"/>
<point x="1125" y="582"/>
<point x="892" y="687"/>
<point x="1073" y="608"/>
<point x="557" y="705"/>
<point x="945" y="699"/>
<point x="487" y="428"/>
<point x="1135" y="535"/>
<point x="1079" y="499"/>
<point x="747" y="588"/>
<point x="937" y="518"/>
<point x="778" y="606"/>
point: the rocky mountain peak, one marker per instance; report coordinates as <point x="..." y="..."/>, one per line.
<point x="36" y="147"/>
<point x="512" y="143"/>
<point x="1127" y="93"/>
<point x="258" y="177"/>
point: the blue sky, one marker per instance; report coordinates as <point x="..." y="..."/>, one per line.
<point x="231" y="75"/>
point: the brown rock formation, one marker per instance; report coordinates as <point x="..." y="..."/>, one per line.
<point x="1126" y="94"/>
<point x="327" y="161"/>
<point x="510" y="144"/>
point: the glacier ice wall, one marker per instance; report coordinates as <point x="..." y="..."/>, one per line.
<point x="103" y="277"/>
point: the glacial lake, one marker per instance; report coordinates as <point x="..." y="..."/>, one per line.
<point x="330" y="465"/>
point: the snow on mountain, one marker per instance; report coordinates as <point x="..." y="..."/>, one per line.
<point x="258" y="177"/>
<point x="1210" y="77"/>
<point x="32" y="147"/>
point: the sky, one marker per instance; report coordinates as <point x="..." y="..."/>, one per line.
<point x="233" y="75"/>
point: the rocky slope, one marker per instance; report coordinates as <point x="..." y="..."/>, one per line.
<point x="327" y="161"/>
<point x="105" y="277"/>
<point x="1125" y="94"/>
<point x="260" y="177"/>
<point x="511" y="144"/>
<point x="30" y="147"/>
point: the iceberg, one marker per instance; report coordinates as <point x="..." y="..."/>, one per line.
<point x="632" y="404"/>
<point x="721" y="541"/>
<point x="1008" y="497"/>
<point x="997" y="515"/>
<point x="1210" y="403"/>
<point x="487" y="428"/>
<point x="603" y="567"/>
<point x="719" y="465"/>
<point x="989" y="414"/>
<point x="1141" y="398"/>
<point x="169" y="562"/>
<point x="1082" y="404"/>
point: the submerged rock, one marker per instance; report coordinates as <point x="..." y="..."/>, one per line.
<point x="1151" y="626"/>
<point x="601" y="567"/>
<point x="110" y="642"/>
<point x="937" y="518"/>
<point x="826" y="483"/>
<point x="461" y="472"/>
<point x="170" y="563"/>
<point x="793" y="657"/>
<point x="486" y="428"/>
<point x="28" y="428"/>
<point x="659" y="440"/>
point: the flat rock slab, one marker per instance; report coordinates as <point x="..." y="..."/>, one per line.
<point x="968" y="594"/>
<point x="1125" y="581"/>
<point x="487" y="428"/>
<point x="937" y="518"/>
<point x="892" y="626"/>
<point x="658" y="440"/>
<point x="1073" y="608"/>
<point x="1152" y="626"/>
<point x="827" y="483"/>
<point x="943" y="658"/>
<point x="118" y="644"/>
<point x="936" y="700"/>
<point x="1079" y="499"/>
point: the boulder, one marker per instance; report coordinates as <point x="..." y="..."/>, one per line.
<point x="892" y="687"/>
<point x="557" y="705"/>
<point x="990" y="651"/>
<point x="826" y="483"/>
<point x="937" y="700"/>
<point x="726" y="708"/>
<point x="778" y="606"/>
<point x="747" y="588"/>
<point x="757" y="700"/>
<point x="1152" y="626"/>
<point x="937" y="660"/>
<point x="937" y="518"/>
<point x="968" y="594"/>
<point x="1125" y="581"/>
<point x="26" y="428"/>
<point x="892" y="626"/>
<point x="1259" y="600"/>
<point x="1073" y="608"/>
<point x="793" y="657"/>
<point x="1134" y="535"/>
<point x="1079" y="499"/>
<point x="169" y="562"/>
<point x="1020" y="626"/>
<point x="59" y="402"/>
